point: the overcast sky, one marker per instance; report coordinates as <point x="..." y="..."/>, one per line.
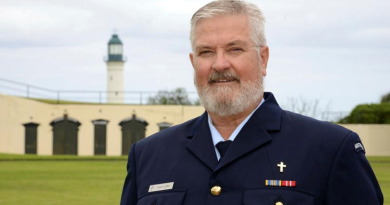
<point x="333" y="51"/>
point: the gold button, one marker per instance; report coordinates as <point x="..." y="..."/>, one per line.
<point x="216" y="190"/>
<point x="279" y="203"/>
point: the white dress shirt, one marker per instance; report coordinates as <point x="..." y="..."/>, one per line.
<point x="218" y="138"/>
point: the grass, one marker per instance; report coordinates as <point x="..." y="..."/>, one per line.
<point x="72" y="180"/>
<point x="28" y="157"/>
<point x="381" y="167"/>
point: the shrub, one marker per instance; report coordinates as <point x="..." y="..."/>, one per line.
<point x="369" y="114"/>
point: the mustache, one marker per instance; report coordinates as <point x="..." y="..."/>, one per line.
<point x="215" y="76"/>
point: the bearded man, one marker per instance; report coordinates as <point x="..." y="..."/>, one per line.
<point x="245" y="149"/>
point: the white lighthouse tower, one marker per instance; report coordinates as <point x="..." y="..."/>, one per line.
<point x="115" y="65"/>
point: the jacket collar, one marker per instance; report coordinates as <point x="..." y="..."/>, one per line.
<point x="253" y="135"/>
<point x="269" y="113"/>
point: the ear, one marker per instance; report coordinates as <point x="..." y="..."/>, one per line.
<point x="192" y="59"/>
<point x="264" y="55"/>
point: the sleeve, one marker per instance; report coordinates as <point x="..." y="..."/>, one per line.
<point x="129" y="193"/>
<point x="352" y="180"/>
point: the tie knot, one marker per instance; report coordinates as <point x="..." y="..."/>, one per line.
<point x="222" y="147"/>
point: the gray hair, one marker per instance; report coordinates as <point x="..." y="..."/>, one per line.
<point x="232" y="7"/>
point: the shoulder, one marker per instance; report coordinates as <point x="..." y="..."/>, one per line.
<point x="309" y="123"/>
<point x="315" y="131"/>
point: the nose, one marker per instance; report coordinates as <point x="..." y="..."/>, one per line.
<point x="220" y="63"/>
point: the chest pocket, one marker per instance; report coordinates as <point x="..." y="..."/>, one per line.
<point x="275" y="196"/>
<point x="170" y="197"/>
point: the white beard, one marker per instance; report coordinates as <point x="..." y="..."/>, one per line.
<point x="226" y="100"/>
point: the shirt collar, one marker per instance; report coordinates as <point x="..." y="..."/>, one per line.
<point x="218" y="138"/>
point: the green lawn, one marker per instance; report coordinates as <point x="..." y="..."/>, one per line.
<point x="67" y="180"/>
<point x="61" y="182"/>
<point x="381" y="166"/>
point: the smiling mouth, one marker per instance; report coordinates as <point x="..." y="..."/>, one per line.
<point x="223" y="80"/>
<point x="223" y="77"/>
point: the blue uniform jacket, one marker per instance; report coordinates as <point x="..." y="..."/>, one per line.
<point x="322" y="158"/>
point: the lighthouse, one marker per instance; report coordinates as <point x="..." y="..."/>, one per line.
<point x="115" y="65"/>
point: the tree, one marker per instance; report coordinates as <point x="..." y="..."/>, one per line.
<point x="306" y="107"/>
<point x="196" y="102"/>
<point x="386" y="98"/>
<point x="369" y="114"/>
<point x="178" y="96"/>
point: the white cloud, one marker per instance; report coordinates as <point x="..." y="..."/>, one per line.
<point x="334" y="50"/>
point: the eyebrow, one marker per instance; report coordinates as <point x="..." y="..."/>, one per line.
<point x="237" y="42"/>
<point x="202" y="47"/>
<point x="233" y="43"/>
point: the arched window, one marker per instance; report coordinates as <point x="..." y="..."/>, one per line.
<point x="65" y="135"/>
<point x="133" y="130"/>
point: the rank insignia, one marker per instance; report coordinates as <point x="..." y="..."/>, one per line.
<point x="284" y="183"/>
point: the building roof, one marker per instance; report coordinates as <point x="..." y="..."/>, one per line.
<point x="115" y="40"/>
<point x="134" y="118"/>
<point x="61" y="119"/>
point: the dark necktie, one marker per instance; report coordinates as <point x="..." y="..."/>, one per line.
<point x="222" y="147"/>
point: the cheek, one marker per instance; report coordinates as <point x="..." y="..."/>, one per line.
<point x="248" y="70"/>
<point x="201" y="64"/>
<point x="202" y="71"/>
<point x="244" y="67"/>
<point x="201" y="76"/>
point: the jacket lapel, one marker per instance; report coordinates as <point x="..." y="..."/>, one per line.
<point x="252" y="136"/>
<point x="201" y="144"/>
<point x="255" y="132"/>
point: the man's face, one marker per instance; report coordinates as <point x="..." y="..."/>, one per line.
<point x="228" y="69"/>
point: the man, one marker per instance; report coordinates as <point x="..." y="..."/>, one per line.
<point x="245" y="149"/>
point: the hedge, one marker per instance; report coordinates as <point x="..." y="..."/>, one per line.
<point x="369" y="114"/>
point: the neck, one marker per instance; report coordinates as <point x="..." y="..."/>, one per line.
<point x="227" y="124"/>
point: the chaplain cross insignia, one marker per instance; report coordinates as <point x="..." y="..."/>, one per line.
<point x="281" y="165"/>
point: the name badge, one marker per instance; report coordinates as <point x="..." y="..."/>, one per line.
<point x="161" y="187"/>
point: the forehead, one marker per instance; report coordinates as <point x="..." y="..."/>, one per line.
<point x="222" y="30"/>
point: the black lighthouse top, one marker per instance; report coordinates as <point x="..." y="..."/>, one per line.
<point x="115" y="50"/>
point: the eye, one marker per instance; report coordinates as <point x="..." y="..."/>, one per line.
<point x="205" y="53"/>
<point x="235" y="50"/>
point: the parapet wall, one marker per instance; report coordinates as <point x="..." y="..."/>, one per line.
<point x="14" y="112"/>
